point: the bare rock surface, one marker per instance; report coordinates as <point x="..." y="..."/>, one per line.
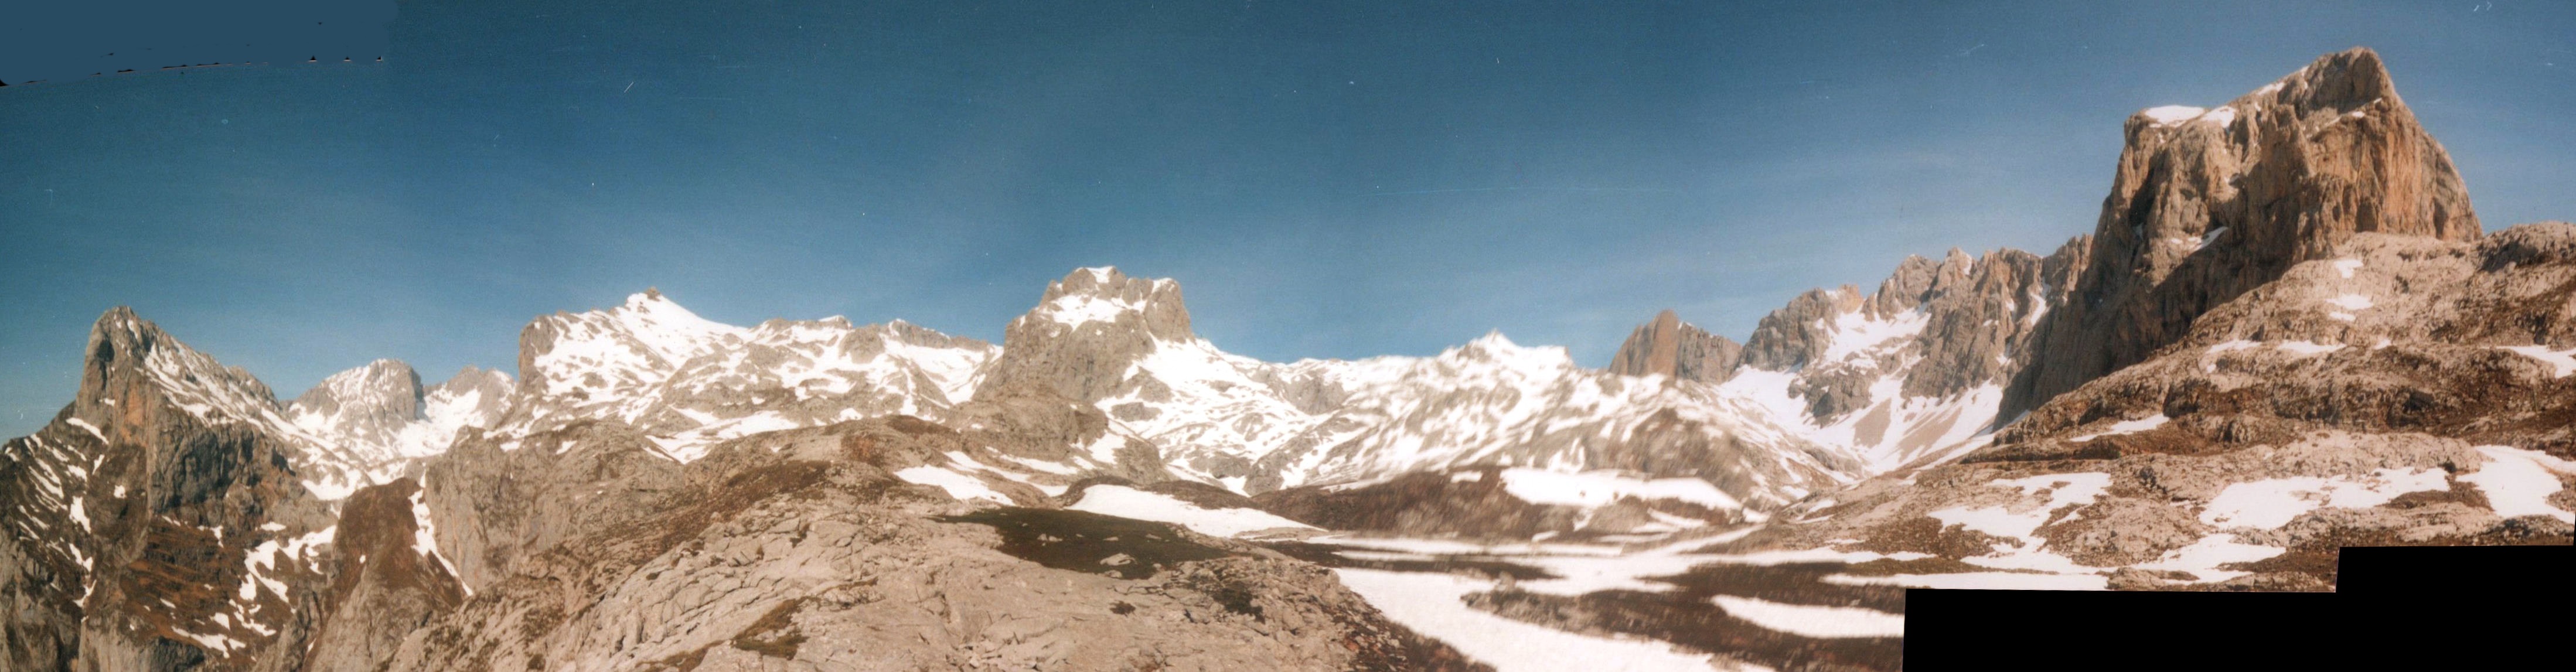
<point x="2398" y="390"/>
<point x="157" y="522"/>
<point x="799" y="553"/>
<point x="2210" y="204"/>
<point x="1670" y="347"/>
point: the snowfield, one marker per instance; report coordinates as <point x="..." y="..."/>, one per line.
<point x="1813" y="621"/>
<point x="1600" y="488"/>
<point x="1429" y="603"/>
<point x="1125" y="502"/>
<point x="2519" y="482"/>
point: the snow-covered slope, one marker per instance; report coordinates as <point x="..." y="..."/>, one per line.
<point x="1121" y="346"/>
<point x="687" y="382"/>
<point x="377" y="422"/>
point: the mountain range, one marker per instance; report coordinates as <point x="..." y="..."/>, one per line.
<point x="2287" y="332"/>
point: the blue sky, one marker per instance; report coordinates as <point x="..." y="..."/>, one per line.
<point x="1326" y="179"/>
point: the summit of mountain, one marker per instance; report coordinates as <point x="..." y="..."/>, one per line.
<point x="2208" y="204"/>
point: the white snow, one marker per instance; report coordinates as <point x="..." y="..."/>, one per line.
<point x="1855" y="332"/>
<point x="2351" y="301"/>
<point x="2519" y="482"/>
<point x="1126" y="502"/>
<point x="1813" y="621"/>
<point x="2224" y="116"/>
<point x="424" y="538"/>
<point x="960" y="486"/>
<point x="1430" y="604"/>
<point x="2065" y="491"/>
<point x="2305" y="348"/>
<point x="1456" y="547"/>
<point x="2203" y="557"/>
<point x="2211" y="236"/>
<point x="2169" y="115"/>
<point x="2561" y="361"/>
<point x="1769" y="558"/>
<point x="84" y="424"/>
<point x="1075" y="310"/>
<point x="1980" y="581"/>
<point x="2346" y="266"/>
<point x="2126" y="427"/>
<point x="2271" y="503"/>
<point x="1600" y="488"/>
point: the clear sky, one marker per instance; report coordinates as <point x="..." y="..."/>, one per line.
<point x="1326" y="179"/>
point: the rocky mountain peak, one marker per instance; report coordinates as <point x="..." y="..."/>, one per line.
<point x="620" y="348"/>
<point x="129" y="358"/>
<point x="1102" y="295"/>
<point x="1667" y="346"/>
<point x="1085" y="332"/>
<point x="378" y="397"/>
<point x="2208" y="204"/>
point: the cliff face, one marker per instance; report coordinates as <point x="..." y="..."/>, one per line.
<point x="2400" y="390"/>
<point x="1669" y="347"/>
<point x="157" y="524"/>
<point x="2209" y="204"/>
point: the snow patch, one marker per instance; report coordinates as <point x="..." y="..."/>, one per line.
<point x="960" y="486"/>
<point x="424" y="538"/>
<point x="2519" y="482"/>
<point x="84" y="424"/>
<point x="1980" y="581"/>
<point x="2126" y="427"/>
<point x="2203" y="557"/>
<point x="1813" y="621"/>
<point x="2346" y="266"/>
<point x="1125" y="502"/>
<point x="2224" y="116"/>
<point x="2306" y="348"/>
<point x="2351" y="301"/>
<point x="1431" y="604"/>
<point x="2562" y="362"/>
<point x="2271" y="503"/>
<point x="2168" y="115"/>
<point x="1600" y="488"/>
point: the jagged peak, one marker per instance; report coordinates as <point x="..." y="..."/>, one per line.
<point x="386" y="383"/>
<point x="1103" y="295"/>
<point x="124" y="348"/>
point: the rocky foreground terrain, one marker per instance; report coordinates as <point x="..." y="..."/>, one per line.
<point x="2288" y="333"/>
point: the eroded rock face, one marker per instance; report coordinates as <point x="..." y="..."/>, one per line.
<point x="2397" y="390"/>
<point x="1669" y="347"/>
<point x="389" y="579"/>
<point x="1943" y="328"/>
<point x="499" y="506"/>
<point x="2208" y="205"/>
<point x="148" y="522"/>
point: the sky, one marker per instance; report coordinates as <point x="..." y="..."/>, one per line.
<point x="1325" y="179"/>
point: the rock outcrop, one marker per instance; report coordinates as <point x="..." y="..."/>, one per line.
<point x="2210" y="204"/>
<point x="1670" y="347"/>
<point x="2399" y="390"/>
<point x="157" y="523"/>
<point x="389" y="579"/>
<point x="801" y="549"/>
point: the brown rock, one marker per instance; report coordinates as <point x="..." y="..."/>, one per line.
<point x="2205" y="209"/>
<point x="1670" y="347"/>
